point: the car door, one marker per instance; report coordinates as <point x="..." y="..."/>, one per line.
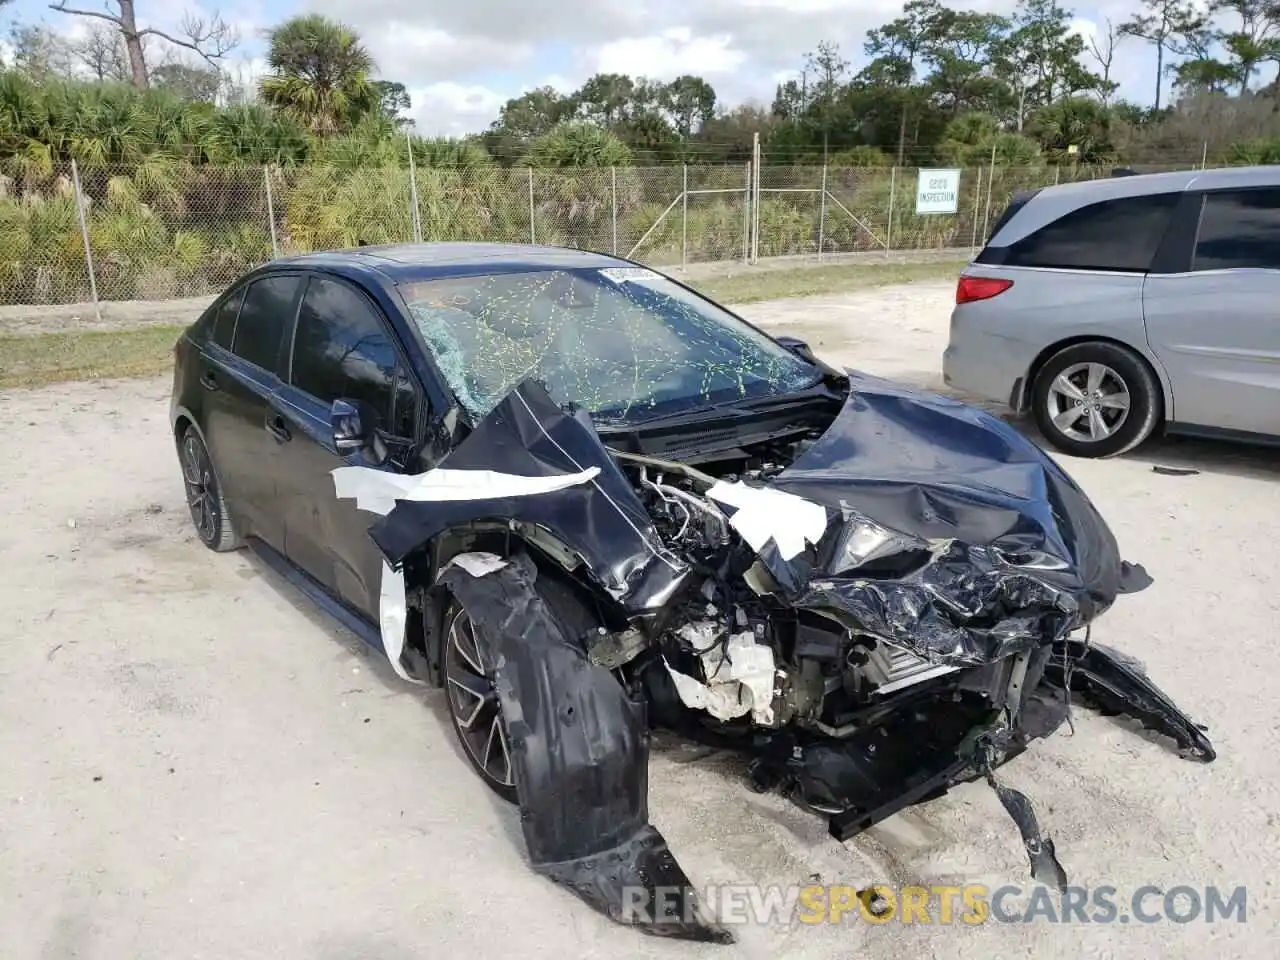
<point x="342" y="347"/>
<point x="1215" y="324"/>
<point x="238" y="379"/>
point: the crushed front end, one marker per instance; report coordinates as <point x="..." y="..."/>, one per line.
<point x="874" y="597"/>
<point x="896" y="603"/>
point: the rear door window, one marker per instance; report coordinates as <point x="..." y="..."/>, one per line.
<point x="1115" y="235"/>
<point x="1239" y="229"/>
<point x="263" y="318"/>
<point x="342" y="349"/>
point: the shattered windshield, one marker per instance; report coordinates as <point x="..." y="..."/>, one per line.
<point x="623" y="343"/>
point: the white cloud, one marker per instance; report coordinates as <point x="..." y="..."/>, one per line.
<point x="417" y="53"/>
<point x="453" y="109"/>
<point x="669" y="54"/>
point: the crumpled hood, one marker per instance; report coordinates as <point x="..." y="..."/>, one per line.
<point x="953" y="535"/>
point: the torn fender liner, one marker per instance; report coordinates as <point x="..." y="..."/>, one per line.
<point x="602" y="520"/>
<point x="1118" y="686"/>
<point x="958" y="538"/>
<point x="580" y="757"/>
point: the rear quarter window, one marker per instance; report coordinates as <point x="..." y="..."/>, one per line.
<point x="1120" y="235"/>
<point x="222" y="324"/>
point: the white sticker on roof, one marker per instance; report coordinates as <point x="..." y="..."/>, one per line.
<point x="629" y="274"/>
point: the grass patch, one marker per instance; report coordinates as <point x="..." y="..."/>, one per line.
<point x="31" y="360"/>
<point x="802" y="281"/>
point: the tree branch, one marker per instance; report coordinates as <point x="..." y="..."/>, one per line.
<point x="199" y="36"/>
<point x="63" y="8"/>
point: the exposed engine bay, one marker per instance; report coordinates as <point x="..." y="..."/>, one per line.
<point x="738" y="652"/>
<point x="874" y="596"/>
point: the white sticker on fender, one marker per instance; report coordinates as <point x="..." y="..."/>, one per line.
<point x="378" y="490"/>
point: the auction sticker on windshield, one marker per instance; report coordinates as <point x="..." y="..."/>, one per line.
<point x="628" y="274"/>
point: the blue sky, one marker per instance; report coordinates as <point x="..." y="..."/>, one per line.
<point x="461" y="61"/>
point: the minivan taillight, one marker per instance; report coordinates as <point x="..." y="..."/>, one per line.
<point x="970" y="289"/>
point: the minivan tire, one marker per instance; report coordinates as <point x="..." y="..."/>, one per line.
<point x="1125" y="373"/>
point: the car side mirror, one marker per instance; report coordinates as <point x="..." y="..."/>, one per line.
<point x="798" y="347"/>
<point x="355" y="426"/>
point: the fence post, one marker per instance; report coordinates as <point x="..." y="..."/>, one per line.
<point x="533" y="233"/>
<point x="991" y="185"/>
<point x="684" y="216"/>
<point x="755" y="200"/>
<point x="613" y="172"/>
<point x="415" y="221"/>
<point x="893" y="189"/>
<point x="84" y="234"/>
<point x="746" y="218"/>
<point x="822" y="214"/>
<point x="1204" y="156"/>
<point x="977" y="206"/>
<point x="271" y="213"/>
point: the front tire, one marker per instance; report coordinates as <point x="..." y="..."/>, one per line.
<point x="474" y="709"/>
<point x="205" y="502"/>
<point x="1096" y="400"/>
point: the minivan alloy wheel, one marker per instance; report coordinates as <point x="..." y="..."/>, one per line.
<point x="474" y="706"/>
<point x="1089" y="402"/>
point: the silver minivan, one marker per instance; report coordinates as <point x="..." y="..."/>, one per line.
<point x="1113" y="309"/>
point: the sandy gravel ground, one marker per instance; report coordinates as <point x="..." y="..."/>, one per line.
<point x="194" y="763"/>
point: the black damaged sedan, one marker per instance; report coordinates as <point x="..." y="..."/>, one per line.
<point x="587" y="501"/>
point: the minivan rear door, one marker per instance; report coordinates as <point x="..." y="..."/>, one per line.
<point x="1214" y="322"/>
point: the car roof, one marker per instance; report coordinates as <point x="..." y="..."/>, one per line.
<point x="1048" y="204"/>
<point x="420" y="261"/>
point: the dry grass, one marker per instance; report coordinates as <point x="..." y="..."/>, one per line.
<point x="748" y="285"/>
<point x="28" y="360"/>
<point x="33" y="360"/>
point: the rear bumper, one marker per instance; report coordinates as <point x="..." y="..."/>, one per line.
<point x="986" y="366"/>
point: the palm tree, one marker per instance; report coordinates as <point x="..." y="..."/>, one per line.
<point x="319" y="73"/>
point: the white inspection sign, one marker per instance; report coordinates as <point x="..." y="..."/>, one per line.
<point x="938" y="191"/>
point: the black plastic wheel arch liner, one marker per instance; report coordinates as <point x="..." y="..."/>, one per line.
<point x="602" y="521"/>
<point x="580" y="757"/>
<point x="994" y="550"/>
<point x="1116" y="685"/>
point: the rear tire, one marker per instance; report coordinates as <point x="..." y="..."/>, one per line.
<point x="205" y="502"/>
<point x="1096" y="400"/>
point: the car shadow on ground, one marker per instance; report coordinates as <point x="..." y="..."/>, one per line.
<point x="1183" y="456"/>
<point x="1175" y="455"/>
<point x="432" y="698"/>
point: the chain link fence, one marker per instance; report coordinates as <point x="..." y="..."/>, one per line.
<point x="164" y="229"/>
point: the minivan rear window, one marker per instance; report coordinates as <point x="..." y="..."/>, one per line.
<point x="1116" y="235"/>
<point x="1239" y="229"/>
